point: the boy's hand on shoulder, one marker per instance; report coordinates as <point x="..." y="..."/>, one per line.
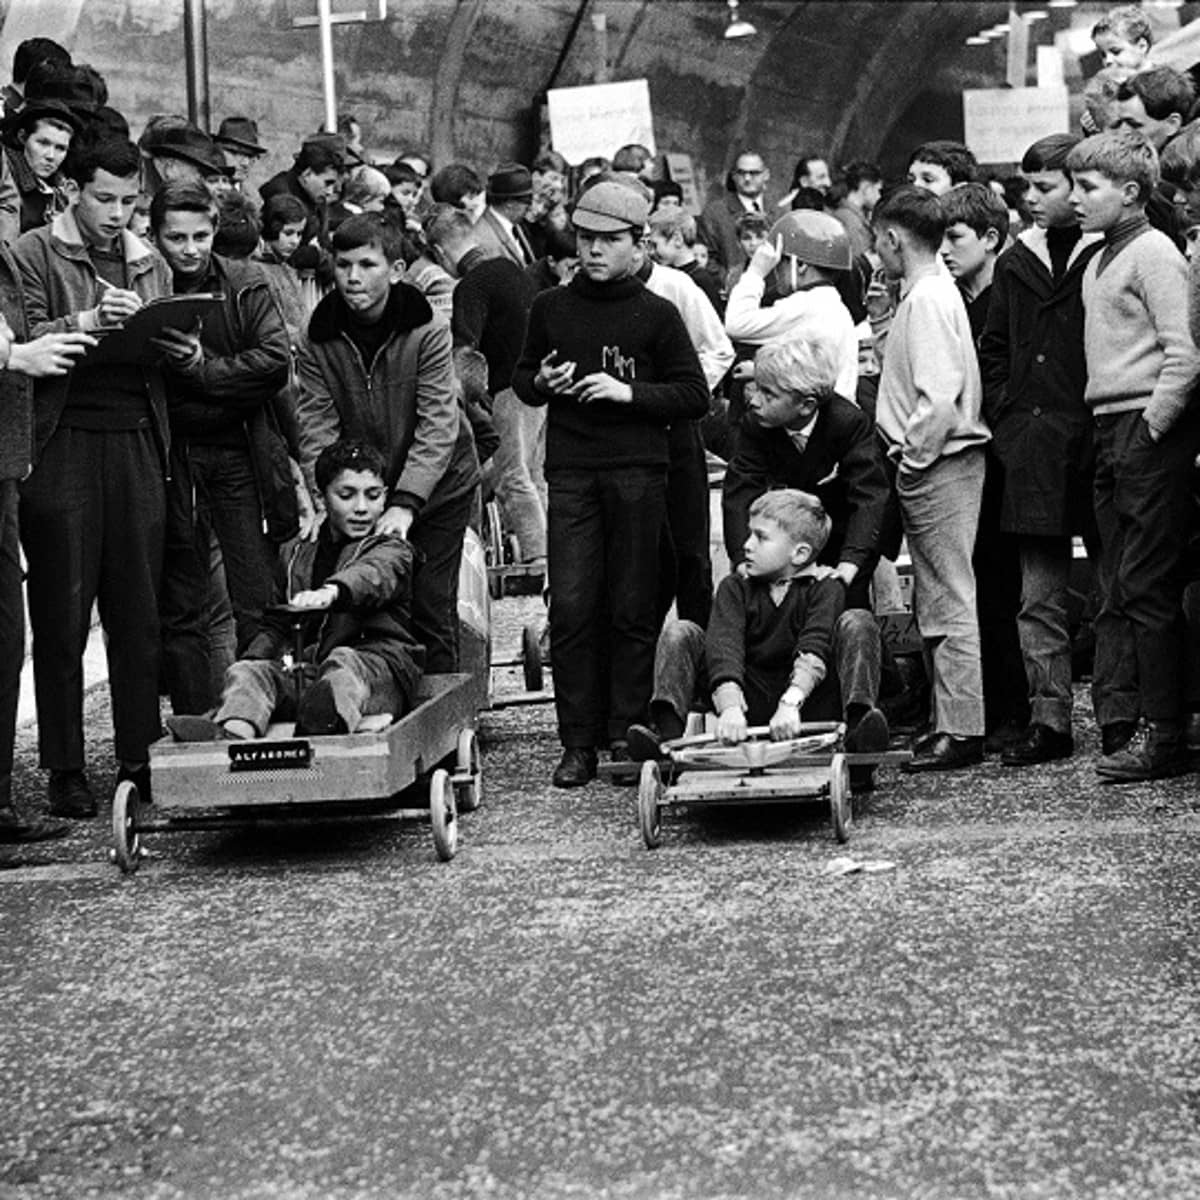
<point x="397" y="520"/>
<point x="785" y="723"/>
<point x="731" y="726"/>
<point x="602" y="386"/>
<point x="322" y="597"/>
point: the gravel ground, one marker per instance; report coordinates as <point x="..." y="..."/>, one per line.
<point x="329" y="1012"/>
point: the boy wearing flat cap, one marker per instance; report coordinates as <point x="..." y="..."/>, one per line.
<point x="615" y="366"/>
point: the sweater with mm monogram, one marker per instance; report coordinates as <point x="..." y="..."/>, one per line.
<point x="627" y="332"/>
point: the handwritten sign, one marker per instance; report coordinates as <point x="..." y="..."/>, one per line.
<point x="1000" y="124"/>
<point x="600" y="118"/>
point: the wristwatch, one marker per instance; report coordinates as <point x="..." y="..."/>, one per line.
<point x="793" y="697"/>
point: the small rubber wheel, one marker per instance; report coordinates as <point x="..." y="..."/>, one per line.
<point x="469" y="793"/>
<point x="443" y="815"/>
<point x="531" y="659"/>
<point x="650" y="792"/>
<point x="127" y="842"/>
<point x="493" y="543"/>
<point x="839" y="798"/>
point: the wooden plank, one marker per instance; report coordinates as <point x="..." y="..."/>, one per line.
<point x="349" y="767"/>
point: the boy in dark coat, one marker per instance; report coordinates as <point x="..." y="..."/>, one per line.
<point x="375" y="366"/>
<point x="616" y="366"/>
<point x="362" y="658"/>
<point x="1032" y="362"/>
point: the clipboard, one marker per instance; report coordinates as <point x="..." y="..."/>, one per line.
<point x="131" y="341"/>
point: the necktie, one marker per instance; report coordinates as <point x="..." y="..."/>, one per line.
<point x="523" y="244"/>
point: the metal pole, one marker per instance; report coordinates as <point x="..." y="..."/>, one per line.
<point x="195" y="42"/>
<point x="325" y="17"/>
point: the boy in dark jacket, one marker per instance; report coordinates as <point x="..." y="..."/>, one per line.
<point x="363" y="655"/>
<point x="1032" y="362"/>
<point x="375" y="366"/>
<point x="221" y="380"/>
<point x="769" y="646"/>
<point x="616" y="366"/>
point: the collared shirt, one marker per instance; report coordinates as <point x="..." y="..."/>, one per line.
<point x="800" y="436"/>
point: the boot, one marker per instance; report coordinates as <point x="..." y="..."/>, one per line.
<point x="1156" y="751"/>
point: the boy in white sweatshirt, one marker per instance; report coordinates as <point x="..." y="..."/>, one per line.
<point x="929" y="415"/>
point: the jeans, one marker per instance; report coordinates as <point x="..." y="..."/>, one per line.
<point x="940" y="508"/>
<point x="257" y="690"/>
<point x="92" y="523"/>
<point x="680" y="678"/>
<point x="1144" y="512"/>
<point x="517" y="470"/>
<point x="1044" y="629"/>
<point x="12" y="632"/>
<point x="438" y="536"/>
<point x="212" y="493"/>
<point x="606" y="529"/>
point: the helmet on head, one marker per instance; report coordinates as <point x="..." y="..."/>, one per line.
<point x="813" y="237"/>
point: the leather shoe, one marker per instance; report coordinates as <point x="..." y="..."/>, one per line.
<point x="644" y="744"/>
<point x="576" y="767"/>
<point x="945" y="752"/>
<point x="70" y="795"/>
<point x="1039" y="745"/>
<point x="627" y="773"/>
<point x="1116" y="736"/>
<point x="15" y="831"/>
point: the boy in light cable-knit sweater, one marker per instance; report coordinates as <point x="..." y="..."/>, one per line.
<point x="1142" y="368"/>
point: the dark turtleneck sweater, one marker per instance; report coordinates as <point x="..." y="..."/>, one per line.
<point x="627" y="332"/>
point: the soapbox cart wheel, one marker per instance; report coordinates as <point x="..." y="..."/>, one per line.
<point x="127" y="842"/>
<point x="443" y="815"/>
<point x="468" y="781"/>
<point x="650" y="794"/>
<point x="839" y="798"/>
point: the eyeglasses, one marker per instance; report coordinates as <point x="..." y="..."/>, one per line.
<point x="744" y="171"/>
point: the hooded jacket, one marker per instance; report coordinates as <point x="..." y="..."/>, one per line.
<point x="403" y="402"/>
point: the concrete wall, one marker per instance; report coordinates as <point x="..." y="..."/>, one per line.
<point x="461" y="76"/>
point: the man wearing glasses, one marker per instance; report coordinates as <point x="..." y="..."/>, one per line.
<point x="744" y="193"/>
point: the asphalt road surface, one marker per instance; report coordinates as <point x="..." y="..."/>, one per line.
<point x="1010" y="1010"/>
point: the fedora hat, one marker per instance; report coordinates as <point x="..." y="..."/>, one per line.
<point x="192" y="145"/>
<point x="510" y="181"/>
<point x="240" y="134"/>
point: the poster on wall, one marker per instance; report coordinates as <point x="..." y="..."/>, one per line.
<point x="600" y="118"/>
<point x="1000" y="124"/>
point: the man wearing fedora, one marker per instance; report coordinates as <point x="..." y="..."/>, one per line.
<point x="185" y="153"/>
<point x="498" y="231"/>
<point x="237" y="139"/>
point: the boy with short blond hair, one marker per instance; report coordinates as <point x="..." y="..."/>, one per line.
<point x="672" y="243"/>
<point x="768" y="648"/>
<point x="1142" y="368"/>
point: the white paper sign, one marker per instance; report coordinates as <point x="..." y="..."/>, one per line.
<point x="1000" y="124"/>
<point x="600" y="119"/>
